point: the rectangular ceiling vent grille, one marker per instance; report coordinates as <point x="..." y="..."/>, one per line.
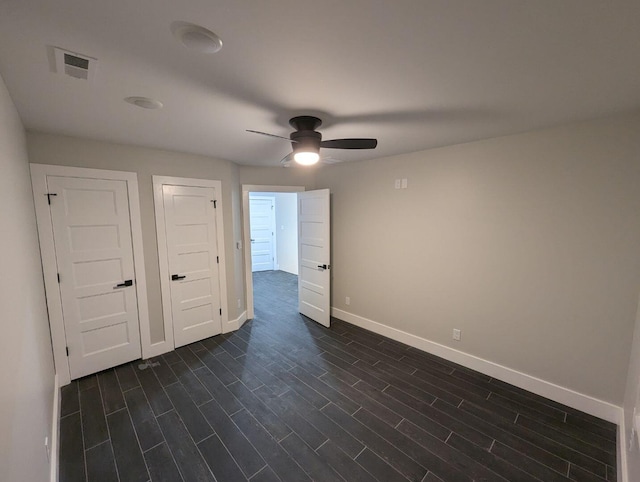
<point x="75" y="65"/>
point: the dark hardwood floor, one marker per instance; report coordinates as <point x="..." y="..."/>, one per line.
<point x="286" y="399"/>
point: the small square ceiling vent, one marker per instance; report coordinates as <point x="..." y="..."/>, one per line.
<point x="75" y="65"/>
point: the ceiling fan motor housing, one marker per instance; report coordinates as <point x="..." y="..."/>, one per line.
<point x="305" y="123"/>
<point x="305" y="140"/>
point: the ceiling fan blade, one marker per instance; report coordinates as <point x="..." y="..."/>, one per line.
<point x="350" y="144"/>
<point x="287" y="160"/>
<point x="329" y="160"/>
<point x="270" y="135"/>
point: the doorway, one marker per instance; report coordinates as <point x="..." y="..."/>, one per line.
<point x="273" y="226"/>
<point x="310" y="249"/>
<point x="285" y="233"/>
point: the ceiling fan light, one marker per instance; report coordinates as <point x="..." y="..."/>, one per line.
<point x="306" y="158"/>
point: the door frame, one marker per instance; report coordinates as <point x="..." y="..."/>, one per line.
<point x="163" y="261"/>
<point x="39" y="173"/>
<point x="246" y="234"/>
<point x="274" y="247"/>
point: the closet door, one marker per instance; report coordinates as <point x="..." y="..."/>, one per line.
<point x="94" y="255"/>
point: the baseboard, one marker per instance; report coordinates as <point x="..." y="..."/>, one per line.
<point x="55" y="432"/>
<point x="233" y="325"/>
<point x="579" y="401"/>
<point x="242" y="319"/>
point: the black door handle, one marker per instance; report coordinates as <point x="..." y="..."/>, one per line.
<point x="128" y="282"/>
<point x="323" y="266"/>
<point x="175" y="277"/>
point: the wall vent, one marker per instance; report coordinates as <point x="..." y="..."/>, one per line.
<point x="75" y="65"/>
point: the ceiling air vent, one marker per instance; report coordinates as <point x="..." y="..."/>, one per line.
<point x="75" y="65"/>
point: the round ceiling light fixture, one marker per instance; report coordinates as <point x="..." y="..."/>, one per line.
<point x="197" y="38"/>
<point x="306" y="158"/>
<point x="144" y="102"/>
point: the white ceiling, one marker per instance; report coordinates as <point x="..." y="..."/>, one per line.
<point x="413" y="73"/>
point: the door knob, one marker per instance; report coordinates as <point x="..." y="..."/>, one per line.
<point x="324" y="266"/>
<point x="175" y="277"/>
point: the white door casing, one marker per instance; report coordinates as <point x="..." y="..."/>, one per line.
<point x="190" y="238"/>
<point x="262" y="214"/>
<point x="314" y="251"/>
<point x="89" y="279"/>
<point x="92" y="233"/>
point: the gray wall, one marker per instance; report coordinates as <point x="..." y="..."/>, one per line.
<point x="530" y="244"/>
<point x="69" y="151"/>
<point x="278" y="176"/>
<point x="26" y="360"/>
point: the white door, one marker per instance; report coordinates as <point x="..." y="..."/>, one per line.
<point x="314" y="279"/>
<point x="94" y="254"/>
<point x="262" y="226"/>
<point x="192" y="251"/>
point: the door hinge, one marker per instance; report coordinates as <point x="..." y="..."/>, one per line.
<point x="67" y="351"/>
<point x="220" y="311"/>
<point x="49" y="194"/>
<point x="58" y="274"/>
<point x="214" y="203"/>
<point x="218" y="259"/>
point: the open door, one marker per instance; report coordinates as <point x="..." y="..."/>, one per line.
<point x="314" y="250"/>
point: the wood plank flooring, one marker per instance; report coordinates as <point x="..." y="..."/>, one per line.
<point x="286" y="399"/>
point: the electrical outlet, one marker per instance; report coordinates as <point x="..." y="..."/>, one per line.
<point x="239" y="303"/>
<point x="456" y="334"/>
<point x="404" y="183"/>
<point x="398" y="183"/>
<point x="347" y="300"/>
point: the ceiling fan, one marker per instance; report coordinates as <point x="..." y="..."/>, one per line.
<point x="306" y="141"/>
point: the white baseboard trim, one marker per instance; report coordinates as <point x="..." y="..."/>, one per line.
<point x="233" y="325"/>
<point x="579" y="401"/>
<point x="242" y="319"/>
<point x="55" y="432"/>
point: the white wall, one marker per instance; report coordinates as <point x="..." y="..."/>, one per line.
<point x="287" y="231"/>
<point x="70" y="151"/>
<point x="26" y="360"/>
<point x="530" y="244"/>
